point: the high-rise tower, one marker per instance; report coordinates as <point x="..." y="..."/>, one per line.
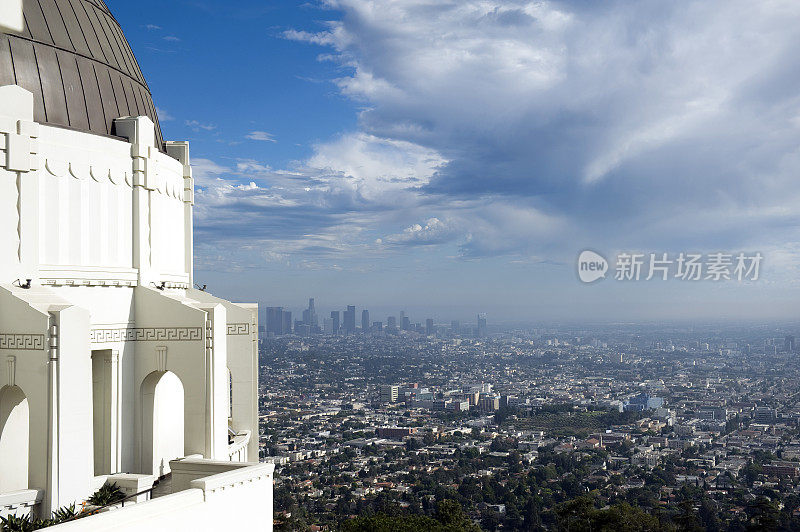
<point x="335" y="315"/>
<point x="364" y="321"/>
<point x="350" y="320"/>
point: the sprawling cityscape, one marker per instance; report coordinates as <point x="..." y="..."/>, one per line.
<point x="606" y="427"/>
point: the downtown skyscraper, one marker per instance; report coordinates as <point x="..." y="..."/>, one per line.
<point x="335" y="319"/>
<point x="310" y="315"/>
<point x="350" y="320"/>
<point x="365" y="321"/>
<point x="278" y="321"/>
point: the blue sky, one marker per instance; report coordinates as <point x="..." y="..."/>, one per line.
<point x="450" y="157"/>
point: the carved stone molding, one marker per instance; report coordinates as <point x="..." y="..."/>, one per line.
<point x="11" y="362"/>
<point x="113" y="283"/>
<point x="238" y="329"/>
<point x="107" y="172"/>
<point x="161" y="358"/>
<point x="147" y="334"/>
<point x="22" y="342"/>
<point x="90" y="282"/>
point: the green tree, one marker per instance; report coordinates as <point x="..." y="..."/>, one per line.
<point x="449" y="518"/>
<point x="763" y="514"/>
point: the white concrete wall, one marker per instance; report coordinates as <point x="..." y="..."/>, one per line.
<point x="84" y="209"/>
<point x="234" y="500"/>
<point x="23" y="340"/>
<point x="20" y="503"/>
<point x="169" y="332"/>
<point x="9" y="242"/>
<point x="242" y="346"/>
<point x="98" y="224"/>
<point x="47" y="339"/>
<point x="187" y="470"/>
<point x="75" y="451"/>
<point x="112" y="313"/>
<point x="196" y="355"/>
<point x="85" y="195"/>
<point x="87" y="212"/>
<point x="18" y="140"/>
<point x="218" y="403"/>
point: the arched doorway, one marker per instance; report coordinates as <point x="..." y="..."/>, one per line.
<point x="14" y="436"/>
<point x="162" y="422"/>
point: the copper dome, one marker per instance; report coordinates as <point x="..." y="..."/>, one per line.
<point x="75" y="60"/>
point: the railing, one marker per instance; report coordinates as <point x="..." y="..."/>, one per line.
<point x="237" y="448"/>
<point x="148" y="492"/>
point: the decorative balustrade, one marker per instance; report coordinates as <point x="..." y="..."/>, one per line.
<point x="237" y="449"/>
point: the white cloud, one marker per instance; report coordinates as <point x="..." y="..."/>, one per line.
<point x="435" y="231"/>
<point x="163" y="115"/>
<point x="197" y="125"/>
<point x="530" y="130"/>
<point x="374" y="165"/>
<point x="613" y="123"/>
<point x="206" y="172"/>
<point x="261" y="136"/>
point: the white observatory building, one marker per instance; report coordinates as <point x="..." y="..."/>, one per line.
<point x="113" y="367"/>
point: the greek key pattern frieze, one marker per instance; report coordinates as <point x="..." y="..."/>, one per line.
<point x="238" y="329"/>
<point x="22" y="342"/>
<point x="150" y="334"/>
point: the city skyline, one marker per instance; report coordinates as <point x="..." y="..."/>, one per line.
<point x="281" y="320"/>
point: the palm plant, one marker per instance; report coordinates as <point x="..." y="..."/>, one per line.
<point x="66" y="513"/>
<point x="109" y="493"/>
<point x="30" y="522"/>
<point x="27" y="523"/>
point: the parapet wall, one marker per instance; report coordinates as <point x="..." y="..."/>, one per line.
<point x="240" y="499"/>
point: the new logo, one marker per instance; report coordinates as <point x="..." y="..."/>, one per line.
<point x="591" y="266"/>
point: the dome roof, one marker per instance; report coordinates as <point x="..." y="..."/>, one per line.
<point x="75" y="60"/>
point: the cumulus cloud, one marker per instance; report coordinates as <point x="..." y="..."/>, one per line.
<point x="435" y="231"/>
<point x="376" y="165"/>
<point x="532" y="129"/>
<point x="306" y="217"/>
<point x="648" y="124"/>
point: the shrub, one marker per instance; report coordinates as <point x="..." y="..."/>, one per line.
<point x="66" y="513"/>
<point x="23" y="524"/>
<point x="109" y="493"/>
